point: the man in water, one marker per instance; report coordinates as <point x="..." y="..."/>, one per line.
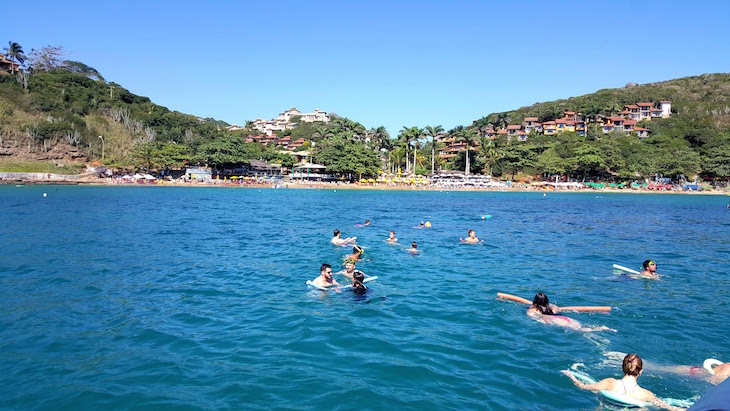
<point x="350" y="270"/>
<point x="649" y="270"/>
<point x="357" y="252"/>
<point x="472" y="239"/>
<point x="414" y="248"/>
<point x="367" y="223"/>
<point x="325" y="279"/>
<point x="336" y="240"/>
<point x="391" y="238"/>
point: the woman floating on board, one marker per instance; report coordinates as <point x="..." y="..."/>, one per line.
<point x="541" y="310"/>
<point x="626" y="390"/>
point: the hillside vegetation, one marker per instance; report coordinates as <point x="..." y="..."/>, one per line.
<point x="57" y="110"/>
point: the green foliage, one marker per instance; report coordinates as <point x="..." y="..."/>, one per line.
<point x="348" y="158"/>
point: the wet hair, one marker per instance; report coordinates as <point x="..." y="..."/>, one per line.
<point x="324" y="267"/>
<point x="647" y="263"/>
<point x="470" y="231"/>
<point x="336" y="232"/>
<point x="632" y="365"/>
<point x="358" y="287"/>
<point x="358" y="249"/>
<point x="392" y="232"/>
<point x="414" y="244"/>
<point x="541" y="303"/>
<point x="367" y="221"/>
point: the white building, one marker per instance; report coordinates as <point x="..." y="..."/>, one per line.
<point x="283" y="121"/>
<point x="666" y="107"/>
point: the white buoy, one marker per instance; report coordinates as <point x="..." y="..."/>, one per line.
<point x="544" y="194"/>
<point x="44" y="194"/>
<point x="335" y="191"/>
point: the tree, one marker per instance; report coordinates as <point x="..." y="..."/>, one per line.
<point x="46" y="59"/>
<point x="716" y="162"/>
<point x="470" y="137"/>
<point x="434" y="132"/>
<point x="490" y="153"/>
<point x="589" y="158"/>
<point x="516" y="157"/>
<point x="15" y="53"/>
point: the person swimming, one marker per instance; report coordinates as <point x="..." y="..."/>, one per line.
<point x="632" y="367"/>
<point x="650" y="270"/>
<point x="720" y="372"/>
<point x="337" y="240"/>
<point x="325" y="279"/>
<point x="367" y="223"/>
<point x="391" y="238"/>
<point x="350" y="270"/>
<point x="541" y="310"/>
<point x="357" y="253"/>
<point x="471" y="239"/>
<point x="358" y="285"/>
<point x="414" y="248"/>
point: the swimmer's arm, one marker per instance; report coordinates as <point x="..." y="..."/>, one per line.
<point x="661" y="404"/>
<point x="604" y="384"/>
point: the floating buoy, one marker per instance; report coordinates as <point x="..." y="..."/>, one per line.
<point x="44" y="194"/>
<point x="544" y="194"/>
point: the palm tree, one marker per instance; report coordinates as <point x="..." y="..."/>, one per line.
<point x="469" y="136"/>
<point x="433" y="132"/>
<point x="490" y="153"/>
<point x="14" y="52"/>
<point x="405" y="137"/>
<point x="417" y="136"/>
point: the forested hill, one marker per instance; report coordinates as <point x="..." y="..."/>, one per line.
<point x="65" y="107"/>
<point x="704" y="98"/>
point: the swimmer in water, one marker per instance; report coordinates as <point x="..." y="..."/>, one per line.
<point x="472" y="239"/>
<point x="357" y="252"/>
<point x="350" y="270"/>
<point x="414" y="248"/>
<point x="325" y="279"/>
<point x="650" y="270"/>
<point x="391" y="238"/>
<point x="421" y="224"/>
<point x="367" y="223"/>
<point x="628" y="386"/>
<point x="337" y="240"/>
<point x="541" y="310"/>
<point x="718" y="375"/>
<point x="358" y="285"/>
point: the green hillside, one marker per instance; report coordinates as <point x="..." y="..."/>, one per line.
<point x="705" y="98"/>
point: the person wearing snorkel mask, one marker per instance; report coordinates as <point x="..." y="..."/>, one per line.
<point x="350" y="270"/>
<point x="357" y="252"/>
<point x="650" y="270"/>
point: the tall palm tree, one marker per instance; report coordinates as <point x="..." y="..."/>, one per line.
<point x="405" y="136"/>
<point x="14" y="52"/>
<point x="417" y="133"/>
<point x="489" y="152"/>
<point x="434" y="132"/>
<point x="470" y="137"/>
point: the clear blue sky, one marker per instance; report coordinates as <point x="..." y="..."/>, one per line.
<point x="391" y="63"/>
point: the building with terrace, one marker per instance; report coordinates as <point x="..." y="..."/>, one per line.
<point x="284" y="120"/>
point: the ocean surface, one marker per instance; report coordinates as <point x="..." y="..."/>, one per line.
<point x="177" y="298"/>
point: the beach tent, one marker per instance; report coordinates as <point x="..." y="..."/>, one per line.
<point x="149" y="177"/>
<point x="138" y="176"/>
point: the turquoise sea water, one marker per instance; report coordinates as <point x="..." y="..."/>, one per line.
<point x="195" y="298"/>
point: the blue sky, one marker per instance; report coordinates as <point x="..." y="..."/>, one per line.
<point x="391" y="63"/>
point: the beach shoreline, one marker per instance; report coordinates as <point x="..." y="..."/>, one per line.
<point x="516" y="188"/>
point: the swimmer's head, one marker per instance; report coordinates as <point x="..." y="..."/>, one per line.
<point x="349" y="262"/>
<point x="358" y="276"/>
<point x="470" y="232"/>
<point x="647" y="263"/>
<point x="326" y="268"/>
<point x="337" y="232"/>
<point x="358" y="249"/>
<point x="542" y="304"/>
<point x="632" y="365"/>
<point x="392" y="233"/>
<point x="414" y="245"/>
<point x="367" y="222"/>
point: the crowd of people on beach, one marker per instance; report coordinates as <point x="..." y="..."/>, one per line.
<point x="624" y="391"/>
